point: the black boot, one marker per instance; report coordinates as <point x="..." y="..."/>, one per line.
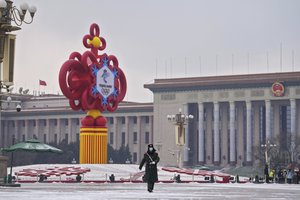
<point x="150" y="186"/>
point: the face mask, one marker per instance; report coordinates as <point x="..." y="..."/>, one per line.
<point x="151" y="149"/>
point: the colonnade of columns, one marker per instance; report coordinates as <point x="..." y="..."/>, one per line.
<point x="249" y="132"/>
<point x="42" y="129"/>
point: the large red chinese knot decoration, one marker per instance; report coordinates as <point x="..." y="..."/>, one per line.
<point x="91" y="81"/>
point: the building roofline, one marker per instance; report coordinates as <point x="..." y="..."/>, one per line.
<point x="222" y="82"/>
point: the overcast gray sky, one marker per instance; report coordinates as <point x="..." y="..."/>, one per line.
<point x="161" y="39"/>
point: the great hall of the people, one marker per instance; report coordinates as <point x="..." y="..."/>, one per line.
<point x="234" y="116"/>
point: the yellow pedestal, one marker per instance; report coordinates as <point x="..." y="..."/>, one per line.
<point x="93" y="145"/>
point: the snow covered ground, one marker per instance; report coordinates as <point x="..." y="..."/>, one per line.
<point x="91" y="191"/>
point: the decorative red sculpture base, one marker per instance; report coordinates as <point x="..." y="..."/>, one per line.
<point x="93" y="139"/>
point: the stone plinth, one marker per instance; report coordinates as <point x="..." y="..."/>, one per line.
<point x="3" y="166"/>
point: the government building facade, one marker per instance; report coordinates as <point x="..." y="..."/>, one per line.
<point x="50" y="119"/>
<point x="234" y="118"/>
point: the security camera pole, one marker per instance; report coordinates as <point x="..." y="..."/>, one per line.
<point x="180" y="120"/>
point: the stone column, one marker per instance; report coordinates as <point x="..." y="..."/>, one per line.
<point x="224" y="135"/>
<point x="151" y="139"/>
<point x="70" y="130"/>
<point x="186" y="146"/>
<point x="27" y="136"/>
<point x="256" y="128"/>
<point x="2" y="136"/>
<point x="293" y="127"/>
<point x="232" y="157"/>
<point x="268" y="120"/>
<point x="249" y="134"/>
<point x="37" y="131"/>
<point x="18" y="134"/>
<point x="216" y="134"/>
<point x="8" y="135"/>
<point x="115" y="145"/>
<point x="139" y="135"/>
<point x="208" y="123"/>
<point x="3" y="166"/>
<point x="47" y="131"/>
<point x="276" y="121"/>
<point x="127" y="130"/>
<point x="59" y="130"/>
<point x="201" y="134"/>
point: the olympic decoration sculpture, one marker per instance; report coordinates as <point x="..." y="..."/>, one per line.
<point x="93" y="83"/>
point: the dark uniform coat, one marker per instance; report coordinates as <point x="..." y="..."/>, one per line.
<point x="151" y="169"/>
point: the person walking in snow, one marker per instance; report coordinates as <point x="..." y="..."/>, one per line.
<point x="151" y="159"/>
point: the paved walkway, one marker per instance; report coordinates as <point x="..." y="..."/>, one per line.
<point x="78" y="191"/>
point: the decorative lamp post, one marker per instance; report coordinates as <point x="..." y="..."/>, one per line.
<point x="93" y="83"/>
<point x="267" y="147"/>
<point x="179" y="121"/>
<point x="10" y="13"/>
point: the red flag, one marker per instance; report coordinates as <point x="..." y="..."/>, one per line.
<point x="43" y="83"/>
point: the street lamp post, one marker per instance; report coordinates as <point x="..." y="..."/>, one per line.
<point x="10" y="13"/>
<point x="179" y="120"/>
<point x="267" y="147"/>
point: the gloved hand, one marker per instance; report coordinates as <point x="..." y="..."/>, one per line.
<point x="152" y="163"/>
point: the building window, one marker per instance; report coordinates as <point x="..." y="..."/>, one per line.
<point x="111" y="120"/>
<point x="77" y="121"/>
<point x="135" y="138"/>
<point x="111" y="138"/>
<point x="55" y="122"/>
<point x="228" y="114"/>
<point x="77" y="137"/>
<point x="45" y="122"/>
<point x="45" y="138"/>
<point x="147" y="137"/>
<point x="134" y="157"/>
<point x="34" y="123"/>
<point x="147" y="119"/>
<point x="123" y="120"/>
<point x="204" y="114"/>
<point x="235" y="114"/>
<point x="13" y="124"/>
<point x="23" y="138"/>
<point x="23" y="123"/>
<point x="67" y="138"/>
<point x="123" y="138"/>
<point x="134" y="120"/>
<point x="55" y="138"/>
<point x="66" y="122"/>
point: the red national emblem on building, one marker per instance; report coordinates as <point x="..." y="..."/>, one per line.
<point x="278" y="89"/>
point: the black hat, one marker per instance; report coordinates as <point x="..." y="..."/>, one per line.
<point x="150" y="145"/>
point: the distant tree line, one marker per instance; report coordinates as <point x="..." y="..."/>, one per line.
<point x="119" y="156"/>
